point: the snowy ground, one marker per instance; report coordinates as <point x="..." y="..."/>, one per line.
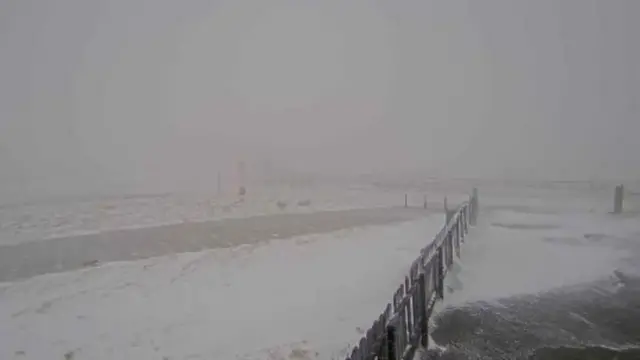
<point x="308" y="297"/>
<point x="66" y="217"/>
<point x="53" y="219"/>
<point x="511" y="253"/>
<point x="554" y="278"/>
<point x="303" y="298"/>
<point x="528" y="245"/>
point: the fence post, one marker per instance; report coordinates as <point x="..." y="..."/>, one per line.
<point x="448" y="214"/>
<point x="425" y="201"/>
<point x="407" y="309"/>
<point x="406" y="203"/>
<point x="618" y="199"/>
<point x="474" y="207"/>
<point x="400" y="332"/>
<point x="457" y="236"/>
<point x="449" y="249"/>
<point x="466" y="219"/>
<point x="422" y="308"/>
<point x="391" y="343"/>
<point x="440" y="280"/>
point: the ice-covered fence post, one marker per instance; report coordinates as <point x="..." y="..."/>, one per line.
<point x="391" y="343"/>
<point x="449" y="245"/>
<point x="421" y="307"/>
<point x="474" y="207"/>
<point x="398" y="322"/>
<point x="467" y="215"/>
<point x="406" y="203"/>
<point x="463" y="222"/>
<point x="448" y="214"/>
<point x="440" y="273"/>
<point x="407" y="309"/>
<point x="466" y="219"/>
<point x="388" y="339"/>
<point x="364" y="350"/>
<point x="457" y="232"/>
<point x="618" y="199"/>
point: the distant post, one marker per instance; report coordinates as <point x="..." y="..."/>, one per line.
<point x="406" y="203"/>
<point x="425" y="201"/>
<point x="219" y="183"/>
<point x="618" y="199"/>
<point x="242" y="190"/>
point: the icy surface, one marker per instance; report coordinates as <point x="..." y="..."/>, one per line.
<point x="302" y="298"/>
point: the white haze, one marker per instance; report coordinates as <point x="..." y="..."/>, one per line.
<point x="159" y="95"/>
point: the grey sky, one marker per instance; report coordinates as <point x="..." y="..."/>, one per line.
<point x="138" y="95"/>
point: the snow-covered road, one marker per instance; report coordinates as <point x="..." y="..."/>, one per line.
<point x="29" y="259"/>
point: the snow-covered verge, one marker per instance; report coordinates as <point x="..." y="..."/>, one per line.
<point x="308" y="297"/>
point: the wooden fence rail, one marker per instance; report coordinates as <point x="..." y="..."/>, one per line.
<point x="403" y="326"/>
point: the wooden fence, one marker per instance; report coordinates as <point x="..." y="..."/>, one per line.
<point x="403" y="326"/>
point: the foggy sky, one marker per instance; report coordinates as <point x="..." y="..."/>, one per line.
<point x="151" y="95"/>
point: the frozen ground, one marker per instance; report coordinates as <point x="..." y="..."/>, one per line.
<point x="302" y="298"/>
